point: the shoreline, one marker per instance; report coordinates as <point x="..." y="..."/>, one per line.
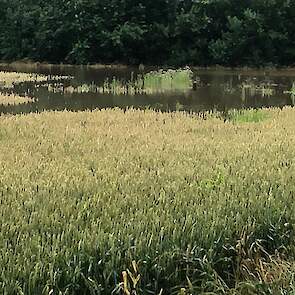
<point x="34" y="64"/>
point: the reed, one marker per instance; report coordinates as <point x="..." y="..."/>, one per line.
<point x="144" y="202"/>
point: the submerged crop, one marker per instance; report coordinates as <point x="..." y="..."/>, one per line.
<point x="155" y="82"/>
<point x="9" y="79"/>
<point x="12" y="99"/>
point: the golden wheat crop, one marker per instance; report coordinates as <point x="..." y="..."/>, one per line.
<point x="174" y="202"/>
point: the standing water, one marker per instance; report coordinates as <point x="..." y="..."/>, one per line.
<point x="90" y="87"/>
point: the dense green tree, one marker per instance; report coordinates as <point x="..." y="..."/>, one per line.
<point x="178" y="32"/>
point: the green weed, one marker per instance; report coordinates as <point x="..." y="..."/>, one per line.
<point x="247" y="116"/>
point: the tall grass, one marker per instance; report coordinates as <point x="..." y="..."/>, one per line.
<point x="161" y="203"/>
<point x="246" y="116"/>
<point x="168" y="80"/>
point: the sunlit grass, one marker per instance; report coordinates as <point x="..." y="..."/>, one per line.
<point x="247" y="116"/>
<point x="169" y="80"/>
<point x="93" y="202"/>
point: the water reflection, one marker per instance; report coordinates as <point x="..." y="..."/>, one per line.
<point x="212" y="90"/>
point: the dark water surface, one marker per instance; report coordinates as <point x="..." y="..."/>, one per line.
<point x="217" y="89"/>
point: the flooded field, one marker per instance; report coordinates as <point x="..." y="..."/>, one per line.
<point x="119" y="201"/>
<point x="89" y="87"/>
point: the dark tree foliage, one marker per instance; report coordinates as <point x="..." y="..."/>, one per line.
<point x="175" y="32"/>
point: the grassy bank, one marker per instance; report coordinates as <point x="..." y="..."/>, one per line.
<point x="164" y="203"/>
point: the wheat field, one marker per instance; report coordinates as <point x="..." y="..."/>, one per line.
<point x="146" y="202"/>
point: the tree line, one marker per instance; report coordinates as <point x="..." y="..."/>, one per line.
<point x="172" y="32"/>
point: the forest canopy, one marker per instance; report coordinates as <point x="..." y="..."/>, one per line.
<point x="173" y="32"/>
